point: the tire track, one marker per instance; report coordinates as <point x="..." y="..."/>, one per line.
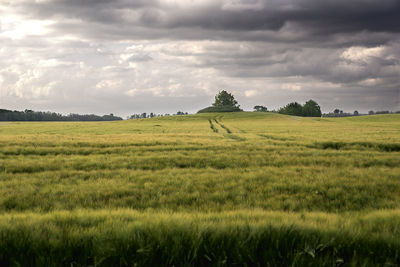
<point x="212" y="126"/>
<point x="223" y="126"/>
<point x="229" y="132"/>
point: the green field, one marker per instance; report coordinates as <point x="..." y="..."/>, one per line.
<point x="211" y="189"/>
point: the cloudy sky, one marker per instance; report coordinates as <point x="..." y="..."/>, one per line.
<point x="131" y="56"/>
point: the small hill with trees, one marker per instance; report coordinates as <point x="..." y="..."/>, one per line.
<point x="224" y="102"/>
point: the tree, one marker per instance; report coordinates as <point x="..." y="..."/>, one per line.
<point x="223" y="98"/>
<point x="260" y="108"/>
<point x="224" y="102"/>
<point x="355" y="113"/>
<point x="336" y="111"/>
<point x="311" y="109"/>
<point x="293" y="108"/>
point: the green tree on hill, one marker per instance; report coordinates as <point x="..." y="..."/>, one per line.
<point x="223" y="98"/>
<point x="294" y="109"/>
<point x="224" y="102"/>
<point x="311" y="109"/>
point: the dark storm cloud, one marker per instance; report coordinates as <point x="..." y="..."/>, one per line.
<point x="317" y="17"/>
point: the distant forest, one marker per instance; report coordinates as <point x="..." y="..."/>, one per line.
<point x="30" y="115"/>
<point x="340" y="113"/>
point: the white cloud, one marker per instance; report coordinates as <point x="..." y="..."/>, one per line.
<point x="43" y="91"/>
<point x="53" y="62"/>
<point x="132" y="92"/>
<point x="16" y="27"/>
<point x="362" y="54"/>
<point x="108" y="84"/>
<point x="251" y="93"/>
<point x="187" y="4"/>
<point x="238" y="5"/>
<point x="370" y="82"/>
<point x="291" y="86"/>
<point x="157" y="91"/>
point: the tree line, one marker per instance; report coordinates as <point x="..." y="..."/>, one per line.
<point x="340" y="113"/>
<point x="30" y="115"/>
<point x="309" y="109"/>
<point x="225" y="102"/>
<point x="146" y="115"/>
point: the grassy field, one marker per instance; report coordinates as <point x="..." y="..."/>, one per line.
<point x="210" y="189"/>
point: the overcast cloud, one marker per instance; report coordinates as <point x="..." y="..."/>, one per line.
<point x="125" y="57"/>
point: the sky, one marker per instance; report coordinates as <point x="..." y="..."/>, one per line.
<point x="163" y="56"/>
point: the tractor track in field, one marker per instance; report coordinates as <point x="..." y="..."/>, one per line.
<point x="213" y="125"/>
<point x="223" y="126"/>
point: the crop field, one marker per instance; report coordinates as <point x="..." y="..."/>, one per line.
<point x="233" y="189"/>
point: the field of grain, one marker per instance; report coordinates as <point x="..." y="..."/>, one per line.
<point x="210" y="189"/>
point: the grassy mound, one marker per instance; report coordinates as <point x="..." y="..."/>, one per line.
<point x="219" y="109"/>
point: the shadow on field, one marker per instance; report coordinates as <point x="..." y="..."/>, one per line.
<point x="389" y="147"/>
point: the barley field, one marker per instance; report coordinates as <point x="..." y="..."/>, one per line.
<point x="221" y="189"/>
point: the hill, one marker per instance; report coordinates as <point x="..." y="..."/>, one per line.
<point x="205" y="189"/>
<point x="217" y="109"/>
